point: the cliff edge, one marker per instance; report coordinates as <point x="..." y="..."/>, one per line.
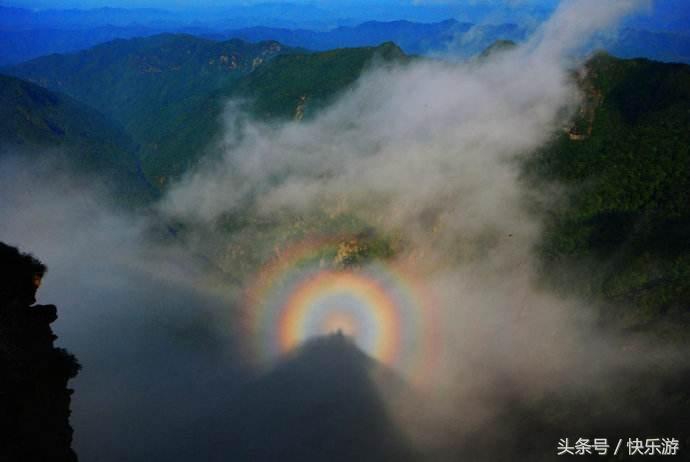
<point x="34" y="397"/>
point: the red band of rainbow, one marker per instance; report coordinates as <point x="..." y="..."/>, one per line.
<point x="385" y="311"/>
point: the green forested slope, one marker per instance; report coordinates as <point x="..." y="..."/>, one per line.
<point x="148" y="84"/>
<point x="625" y="219"/>
<point x="144" y="82"/>
<point x="309" y="81"/>
<point x="289" y="86"/>
<point x="43" y="124"/>
<point x="624" y="168"/>
<point x="168" y="91"/>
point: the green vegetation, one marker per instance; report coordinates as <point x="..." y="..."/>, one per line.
<point x="618" y="235"/>
<point x="288" y="86"/>
<point x="309" y="82"/>
<point x="249" y="240"/>
<point x="144" y="83"/>
<point x="38" y="122"/>
<point x="624" y="165"/>
<point x="625" y="221"/>
<point x="152" y="85"/>
<point x="168" y="91"/>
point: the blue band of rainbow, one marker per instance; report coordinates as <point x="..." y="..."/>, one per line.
<point x="380" y="306"/>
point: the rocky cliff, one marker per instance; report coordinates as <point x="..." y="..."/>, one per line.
<point x="34" y="397"/>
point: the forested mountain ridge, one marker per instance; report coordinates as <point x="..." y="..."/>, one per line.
<point x="26" y="34"/>
<point x="291" y="86"/>
<point x="144" y="83"/>
<point x="42" y="124"/>
<point x="168" y="91"/>
<point x="624" y="163"/>
<point x="625" y="219"/>
<point x="460" y="39"/>
<point x="614" y="237"/>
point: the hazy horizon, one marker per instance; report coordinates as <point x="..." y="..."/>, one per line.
<point x="671" y="15"/>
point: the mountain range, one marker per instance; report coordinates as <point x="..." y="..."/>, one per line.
<point x="26" y="35"/>
<point x="44" y="125"/>
<point x="626" y="163"/>
<point x="167" y="92"/>
<point x="141" y="112"/>
<point x="458" y="39"/>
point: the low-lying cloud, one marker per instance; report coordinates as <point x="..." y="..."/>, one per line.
<point x="426" y="151"/>
<point x="430" y="151"/>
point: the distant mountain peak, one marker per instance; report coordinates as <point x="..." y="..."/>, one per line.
<point x="390" y="50"/>
<point x="499" y="46"/>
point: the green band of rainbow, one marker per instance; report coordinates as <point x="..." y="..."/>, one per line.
<point x="386" y="311"/>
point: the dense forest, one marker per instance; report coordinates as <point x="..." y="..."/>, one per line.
<point x="609" y="192"/>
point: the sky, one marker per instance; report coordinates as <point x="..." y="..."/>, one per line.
<point x="216" y="3"/>
<point x="325" y="4"/>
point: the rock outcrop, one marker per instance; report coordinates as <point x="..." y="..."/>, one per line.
<point x="34" y="397"/>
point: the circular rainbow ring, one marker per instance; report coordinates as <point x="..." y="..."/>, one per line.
<point x="384" y="310"/>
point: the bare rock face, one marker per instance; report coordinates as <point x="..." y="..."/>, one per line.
<point x="34" y="397"/>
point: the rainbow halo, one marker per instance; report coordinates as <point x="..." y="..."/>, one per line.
<point x="296" y="298"/>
